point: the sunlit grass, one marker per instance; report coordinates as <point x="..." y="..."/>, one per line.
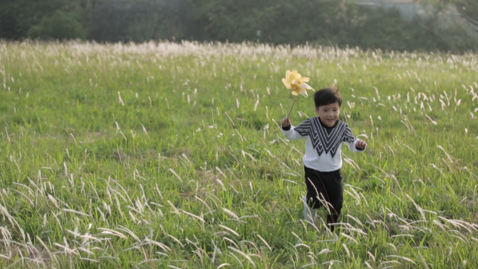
<point x="163" y="154"/>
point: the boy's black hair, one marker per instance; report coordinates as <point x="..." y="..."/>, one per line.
<point x="327" y="96"/>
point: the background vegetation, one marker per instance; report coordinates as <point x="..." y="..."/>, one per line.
<point x="169" y="155"/>
<point x="339" y="23"/>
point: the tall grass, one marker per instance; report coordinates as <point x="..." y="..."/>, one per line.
<point x="163" y="155"/>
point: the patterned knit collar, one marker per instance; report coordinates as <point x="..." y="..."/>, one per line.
<point x="327" y="139"/>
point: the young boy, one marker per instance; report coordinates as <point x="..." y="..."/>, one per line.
<point x="324" y="136"/>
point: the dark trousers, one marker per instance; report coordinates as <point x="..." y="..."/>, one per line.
<point x="325" y="189"/>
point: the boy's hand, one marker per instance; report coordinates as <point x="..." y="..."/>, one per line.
<point x="285" y="122"/>
<point x="360" y="144"/>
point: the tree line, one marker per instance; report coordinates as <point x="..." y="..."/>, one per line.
<point x="317" y="22"/>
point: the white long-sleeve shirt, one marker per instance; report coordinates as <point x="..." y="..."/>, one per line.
<point x="323" y="144"/>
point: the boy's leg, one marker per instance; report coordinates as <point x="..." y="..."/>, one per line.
<point x="315" y="193"/>
<point x="334" y="198"/>
<point x="315" y="188"/>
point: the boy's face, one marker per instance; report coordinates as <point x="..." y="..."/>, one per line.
<point x="328" y="114"/>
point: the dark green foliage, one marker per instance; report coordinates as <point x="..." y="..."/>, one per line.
<point x="8" y="24"/>
<point x="140" y="21"/>
<point x="340" y="23"/>
<point x="60" y="25"/>
<point x="18" y="17"/>
<point x="384" y="29"/>
<point x="390" y="33"/>
<point x="459" y="36"/>
<point x="275" y="22"/>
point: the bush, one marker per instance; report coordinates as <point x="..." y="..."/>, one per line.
<point x="61" y="25"/>
<point x="457" y="39"/>
<point x="8" y="25"/>
<point x="120" y="20"/>
<point x="339" y="23"/>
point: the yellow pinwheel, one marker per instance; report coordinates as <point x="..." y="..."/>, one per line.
<point x="296" y="83"/>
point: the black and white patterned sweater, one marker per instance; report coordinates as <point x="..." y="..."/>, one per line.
<point x="322" y="144"/>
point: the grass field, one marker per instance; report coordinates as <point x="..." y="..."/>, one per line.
<point x="163" y="155"/>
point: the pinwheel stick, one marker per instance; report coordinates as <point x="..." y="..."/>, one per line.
<point x="290" y="110"/>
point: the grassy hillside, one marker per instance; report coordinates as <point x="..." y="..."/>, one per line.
<point x="170" y="156"/>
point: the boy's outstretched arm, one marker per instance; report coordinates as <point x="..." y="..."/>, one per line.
<point x="294" y="132"/>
